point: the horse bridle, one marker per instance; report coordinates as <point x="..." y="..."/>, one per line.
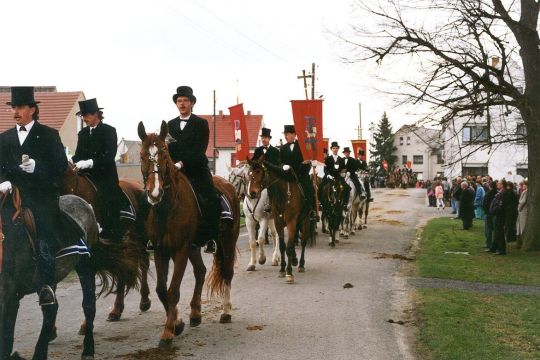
<point x="241" y="183"/>
<point x="146" y="173"/>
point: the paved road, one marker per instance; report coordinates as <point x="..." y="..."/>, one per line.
<point x="315" y="318"/>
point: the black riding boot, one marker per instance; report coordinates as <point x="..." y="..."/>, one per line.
<point x="209" y="225"/>
<point x="46" y="274"/>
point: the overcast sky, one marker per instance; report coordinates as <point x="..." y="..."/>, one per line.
<point x="131" y="56"/>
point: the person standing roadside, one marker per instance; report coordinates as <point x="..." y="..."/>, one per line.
<point x="466" y="205"/>
<point x="522" y="211"/>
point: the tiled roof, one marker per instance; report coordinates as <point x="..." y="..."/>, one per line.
<point x="54" y="108"/>
<point x="225" y="134"/>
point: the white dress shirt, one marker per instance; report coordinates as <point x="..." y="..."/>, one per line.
<point x="23" y="134"/>
<point x="183" y="123"/>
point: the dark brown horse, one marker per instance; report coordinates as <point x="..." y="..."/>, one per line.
<point x="79" y="184"/>
<point x="289" y="209"/>
<point x="172" y="225"/>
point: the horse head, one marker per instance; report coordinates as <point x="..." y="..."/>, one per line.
<point x="238" y="177"/>
<point x="156" y="163"/>
<point x="256" y="177"/>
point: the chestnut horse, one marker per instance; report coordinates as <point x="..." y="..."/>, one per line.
<point x="171" y="226"/>
<point x="79" y="184"/>
<point x="289" y="209"/>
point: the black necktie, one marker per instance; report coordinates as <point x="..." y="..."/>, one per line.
<point x="22" y="128"/>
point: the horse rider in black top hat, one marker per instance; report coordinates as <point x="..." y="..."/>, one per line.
<point x="333" y="166"/>
<point x="352" y="166"/>
<point x="364" y="167"/>
<point x="291" y="157"/>
<point x="32" y="158"/>
<point x="95" y="156"/>
<point x="271" y="155"/>
<point x="188" y="150"/>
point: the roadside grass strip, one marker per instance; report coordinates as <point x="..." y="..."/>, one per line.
<point x="446" y="251"/>
<point x="467" y="325"/>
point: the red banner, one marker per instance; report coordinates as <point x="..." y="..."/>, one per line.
<point x="307" y="115"/>
<point x="240" y="133"/>
<point x="385" y="165"/>
<point x="360" y="146"/>
<point x="325" y="142"/>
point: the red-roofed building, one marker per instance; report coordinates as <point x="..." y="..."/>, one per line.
<point x="56" y="109"/>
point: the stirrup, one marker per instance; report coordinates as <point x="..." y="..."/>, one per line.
<point x="210" y="247"/>
<point x="46" y="296"/>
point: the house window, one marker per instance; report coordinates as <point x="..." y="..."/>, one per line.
<point x="401" y="140"/>
<point x="440" y="159"/>
<point x="408" y="140"/>
<point x="523" y="172"/>
<point x="521" y="133"/>
<point x="474" y="170"/>
<point x="404" y="159"/>
<point x="475" y="134"/>
<point x="418" y="159"/>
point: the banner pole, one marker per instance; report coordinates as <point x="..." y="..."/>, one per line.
<point x="316" y="188"/>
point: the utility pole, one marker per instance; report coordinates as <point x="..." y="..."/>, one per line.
<point x="309" y="76"/>
<point x="359" y="128"/>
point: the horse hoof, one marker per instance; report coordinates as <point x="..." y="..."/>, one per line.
<point x="262" y="260"/>
<point x="289" y="279"/>
<point x="53" y="335"/>
<point x="352" y="233"/>
<point x="336" y="241"/>
<point x="145" y="305"/>
<point x="364" y="227"/>
<point x="275" y="263"/>
<point x="193" y="322"/>
<point x="225" y="319"/>
<point x="165" y="343"/>
<point x="301" y="269"/>
<point x="331" y="244"/>
<point x="294" y="262"/>
<point x="251" y="268"/>
<point x="82" y="329"/>
<point x="178" y="327"/>
<point x="87" y="357"/>
<point x="114" y="317"/>
<point x="282" y="274"/>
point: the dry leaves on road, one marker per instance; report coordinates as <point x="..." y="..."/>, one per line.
<point x="255" y="327"/>
<point x="391" y="256"/>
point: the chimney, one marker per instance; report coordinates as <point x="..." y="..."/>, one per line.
<point x="249" y="113"/>
<point x="495" y="61"/>
<point x="220" y="112"/>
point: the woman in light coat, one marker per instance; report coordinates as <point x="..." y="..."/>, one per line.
<point x="522" y="210"/>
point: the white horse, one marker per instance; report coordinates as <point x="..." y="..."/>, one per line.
<point x="254" y="211"/>
<point x="352" y="217"/>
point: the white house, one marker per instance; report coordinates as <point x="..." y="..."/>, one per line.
<point x="476" y="147"/>
<point x="419" y="148"/>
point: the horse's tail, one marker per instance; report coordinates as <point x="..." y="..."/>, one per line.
<point x="222" y="271"/>
<point x="117" y="263"/>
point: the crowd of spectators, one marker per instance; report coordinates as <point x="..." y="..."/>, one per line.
<point x="500" y="203"/>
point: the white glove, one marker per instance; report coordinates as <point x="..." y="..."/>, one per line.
<point x="28" y="166"/>
<point x="69" y="159"/>
<point x="179" y="165"/>
<point x="313" y="163"/>
<point x="84" y="164"/>
<point x="330" y="177"/>
<point x="348" y="174"/>
<point x="286" y="167"/>
<point x="5" y="187"/>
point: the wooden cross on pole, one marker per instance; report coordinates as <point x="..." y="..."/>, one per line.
<point x="310" y="76"/>
<point x="305" y="77"/>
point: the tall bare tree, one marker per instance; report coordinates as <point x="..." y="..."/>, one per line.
<point x="453" y="42"/>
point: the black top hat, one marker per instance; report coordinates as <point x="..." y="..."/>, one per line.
<point x="346" y="149"/>
<point x="22" y="95"/>
<point x="184" y="91"/>
<point x="266" y="132"/>
<point x="334" y="144"/>
<point x="289" y="129"/>
<point x="89" y="106"/>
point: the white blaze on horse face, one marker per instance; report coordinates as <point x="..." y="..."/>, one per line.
<point x="153" y="151"/>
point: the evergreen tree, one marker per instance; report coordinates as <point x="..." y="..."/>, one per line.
<point x="384" y="148"/>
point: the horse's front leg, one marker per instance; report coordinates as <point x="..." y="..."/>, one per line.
<point x="174" y="325"/>
<point x="87" y="278"/>
<point x="282" y="248"/>
<point x="292" y="237"/>
<point x="199" y="270"/>
<point x="161" y="261"/>
<point x="262" y="238"/>
<point x="252" y="235"/>
<point x="145" y="303"/>
<point x="49" y="317"/>
<point x="275" y="239"/>
<point x="9" y="307"/>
